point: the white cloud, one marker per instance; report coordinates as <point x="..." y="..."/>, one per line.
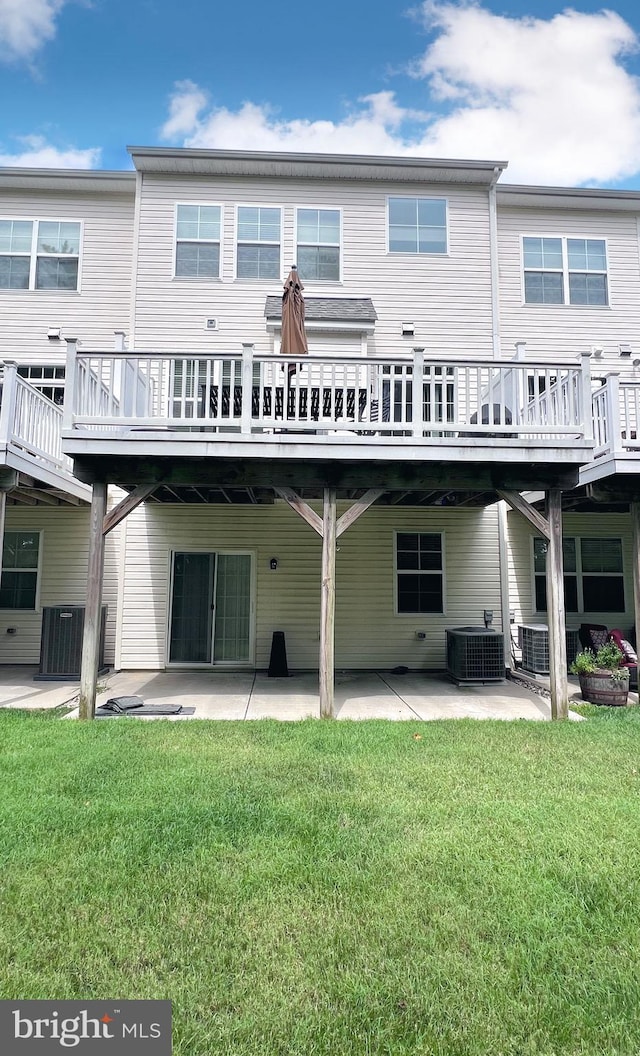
<point x="36" y="153"/>
<point x="552" y="97"/>
<point x="26" y="25"/>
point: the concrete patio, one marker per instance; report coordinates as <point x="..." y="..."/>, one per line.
<point x="253" y="695"/>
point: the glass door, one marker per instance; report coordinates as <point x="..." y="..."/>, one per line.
<point x="210" y="609"/>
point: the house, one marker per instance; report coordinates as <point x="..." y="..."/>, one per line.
<point x="329" y="497"/>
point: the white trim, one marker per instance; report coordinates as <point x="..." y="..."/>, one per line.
<point x="396" y="573"/>
<point x="198" y="241"/>
<point x="330" y="245"/>
<point x="38" y="570"/>
<point x="565" y="272"/>
<point x="33" y="254"/>
<point x="237" y="242"/>
<point x="407" y="255"/>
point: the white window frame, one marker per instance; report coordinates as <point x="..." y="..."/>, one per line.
<point x="34" y="374"/>
<point x="410" y="254"/>
<point x="398" y="572"/>
<point x="34" y="255"/>
<point x="565" y="271"/>
<point x="261" y="242"/>
<point x="580" y="575"/>
<point x="198" y="241"/>
<point x="319" y="245"/>
<point x="38" y="570"/>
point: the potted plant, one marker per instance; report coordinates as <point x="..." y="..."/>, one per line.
<point x="602" y="676"/>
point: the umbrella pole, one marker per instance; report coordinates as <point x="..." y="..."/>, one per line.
<point x="328" y="603"/>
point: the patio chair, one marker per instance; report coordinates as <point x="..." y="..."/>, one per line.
<point x="630" y="657"/>
<point x="593" y="635"/>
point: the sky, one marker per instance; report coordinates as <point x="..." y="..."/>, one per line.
<point x="553" y="90"/>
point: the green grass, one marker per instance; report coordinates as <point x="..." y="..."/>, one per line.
<point x="339" y="889"/>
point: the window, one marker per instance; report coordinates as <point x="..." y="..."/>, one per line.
<point x="565" y="271"/>
<point x="419" y="572"/>
<point x="198" y="241"/>
<point x="417" y="225"/>
<point x="18" y="586"/>
<point x="318" y="253"/>
<point x="258" y="242"/>
<point x="48" y="380"/>
<point x="593" y="575"/>
<point x="39" y="254"/>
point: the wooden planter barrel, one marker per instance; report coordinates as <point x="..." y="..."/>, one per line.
<point x="600" y="688"/>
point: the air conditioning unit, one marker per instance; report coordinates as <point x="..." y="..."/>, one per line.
<point x="533" y="640"/>
<point x="475" y="654"/>
<point x="61" y="642"/>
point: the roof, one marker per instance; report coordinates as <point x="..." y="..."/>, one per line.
<point x="82" y="180"/>
<point x="341" y="166"/>
<point x="332" y="309"/>
<point x="568" y="197"/>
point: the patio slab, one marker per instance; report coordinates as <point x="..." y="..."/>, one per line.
<point x="253" y="695"/>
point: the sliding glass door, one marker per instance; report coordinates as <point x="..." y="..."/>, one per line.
<point x="210" y="608"/>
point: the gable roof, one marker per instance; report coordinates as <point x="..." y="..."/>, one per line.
<point x="331" y="309"/>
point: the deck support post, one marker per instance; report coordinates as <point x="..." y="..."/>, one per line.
<point x="93" y="610"/>
<point x="328" y="603"/>
<point x="635" y="564"/>
<point x="556" y="609"/>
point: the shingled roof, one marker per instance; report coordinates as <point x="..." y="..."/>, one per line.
<point x="331" y="309"/>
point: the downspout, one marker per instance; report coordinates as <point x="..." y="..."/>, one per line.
<point x="505" y="600"/>
<point x="495" y="270"/>
<point x="134" y="261"/>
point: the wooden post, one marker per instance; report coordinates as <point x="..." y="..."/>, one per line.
<point x="9" y="398"/>
<point x="328" y="603"/>
<point x="417" y="393"/>
<point x="247" y="389"/>
<point x="69" y="407"/>
<point x="635" y="564"/>
<point x="93" y="611"/>
<point x="555" y="609"/>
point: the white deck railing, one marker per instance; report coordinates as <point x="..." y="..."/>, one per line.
<point x="250" y="393"/>
<point x="616" y="416"/>
<point x="30" y="423"/>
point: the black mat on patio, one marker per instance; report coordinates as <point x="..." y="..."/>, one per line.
<point x="133" y="706"/>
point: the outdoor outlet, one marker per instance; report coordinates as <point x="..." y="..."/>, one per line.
<point x="512" y="616"/>
<point x="421" y="635"/>
<point x="488" y="617"/>
<point x="212" y="324"/>
<point x="12" y="630"/>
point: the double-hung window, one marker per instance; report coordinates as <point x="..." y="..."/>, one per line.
<point x="419" y="572"/>
<point x="258" y="242"/>
<point x="318" y="244"/>
<point x="198" y="241"/>
<point x="20" y="562"/>
<point x="565" y="270"/>
<point x="593" y="574"/>
<point x="417" y="225"/>
<point x="39" y="254"/>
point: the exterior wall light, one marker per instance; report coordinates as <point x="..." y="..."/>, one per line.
<point x="273" y="563"/>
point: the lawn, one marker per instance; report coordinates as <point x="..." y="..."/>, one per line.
<point x="331" y="889"/>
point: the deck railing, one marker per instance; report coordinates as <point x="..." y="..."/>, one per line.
<point x="30" y="422"/>
<point x="372" y="396"/>
<point x="616" y="416"/>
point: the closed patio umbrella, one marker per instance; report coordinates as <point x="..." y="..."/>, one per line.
<point x="294" y="338"/>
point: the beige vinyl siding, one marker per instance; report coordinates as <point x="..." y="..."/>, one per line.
<point x="64" y="543"/>
<point x="447" y="297"/>
<point x="594" y="525"/>
<point x="567" y="330"/>
<point x="368" y="633"/>
<point x="103" y="303"/>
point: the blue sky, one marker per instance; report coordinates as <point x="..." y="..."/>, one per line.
<point x="553" y="90"/>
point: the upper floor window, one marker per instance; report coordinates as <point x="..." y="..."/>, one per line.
<point x="48" y="379"/>
<point x="198" y="241"/>
<point x="39" y="254"/>
<point x="417" y="225"/>
<point x="20" y="561"/>
<point x="419" y="572"/>
<point x="258" y="242"/>
<point x="318" y="244"/>
<point x="593" y="575"/>
<point x="565" y="270"/>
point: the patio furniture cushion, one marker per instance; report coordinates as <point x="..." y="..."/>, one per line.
<point x="625" y="646"/>
<point x="593" y="635"/>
